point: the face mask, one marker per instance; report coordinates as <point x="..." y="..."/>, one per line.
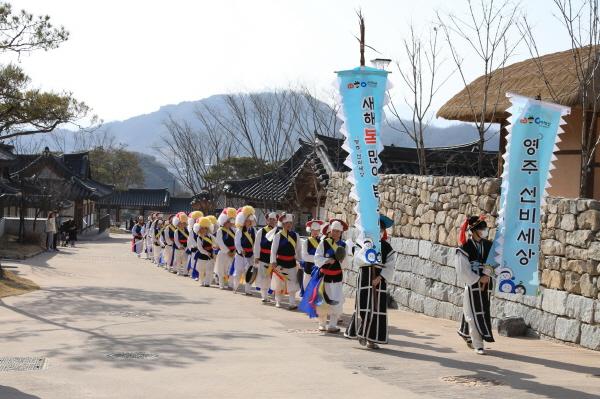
<point x="483" y="233"/>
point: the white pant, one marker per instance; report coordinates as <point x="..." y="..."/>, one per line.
<point x="240" y="267"/>
<point x="156" y="251"/>
<point x="476" y="338"/>
<point x="180" y="263"/>
<point x="138" y="245"/>
<point x="284" y="282"/>
<point x="168" y="256"/>
<point x="263" y="279"/>
<point x="149" y="247"/>
<point x="205" y="269"/>
<point x="222" y="265"/>
<point x="335" y="292"/>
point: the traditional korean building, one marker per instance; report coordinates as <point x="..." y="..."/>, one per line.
<point x="142" y="201"/>
<point x="38" y="183"/>
<point x="299" y="184"/>
<point x="524" y="78"/>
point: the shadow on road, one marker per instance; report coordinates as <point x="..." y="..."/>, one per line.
<point x="13" y="393"/>
<point x="510" y="377"/>
<point x="74" y="309"/>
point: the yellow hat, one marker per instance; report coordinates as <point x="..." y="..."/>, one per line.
<point x="204" y="222"/>
<point x="248" y="210"/>
<point x="196" y="214"/>
<point x="182" y="217"/>
<point x="230" y="212"/>
<point x="212" y="218"/>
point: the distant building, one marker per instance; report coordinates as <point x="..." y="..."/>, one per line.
<point x="35" y="184"/>
<point x="143" y="201"/>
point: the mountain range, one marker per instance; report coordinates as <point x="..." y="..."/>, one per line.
<point x="143" y="132"/>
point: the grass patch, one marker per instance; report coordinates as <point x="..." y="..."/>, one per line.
<point x="11" y="249"/>
<point x="12" y="284"/>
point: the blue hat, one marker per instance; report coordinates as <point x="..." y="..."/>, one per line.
<point x="385" y="222"/>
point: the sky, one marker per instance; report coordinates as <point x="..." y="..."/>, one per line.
<point x="129" y="57"/>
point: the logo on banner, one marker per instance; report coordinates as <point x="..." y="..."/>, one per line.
<point x="536" y="120"/>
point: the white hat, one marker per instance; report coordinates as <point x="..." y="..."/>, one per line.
<point x="272" y="215"/>
<point x="286" y="217"/>
<point x="313" y="225"/>
<point x="196" y="227"/>
<point x="336" y="225"/>
<point x="175" y="221"/>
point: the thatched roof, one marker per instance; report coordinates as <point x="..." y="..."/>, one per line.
<point x="522" y="78"/>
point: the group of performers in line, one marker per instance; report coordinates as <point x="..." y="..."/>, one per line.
<point x="230" y="252"/>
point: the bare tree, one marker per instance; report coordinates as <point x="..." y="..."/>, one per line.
<point x="311" y="115"/>
<point x="191" y="153"/>
<point x="421" y="81"/>
<point x="484" y="36"/>
<point x="581" y="21"/>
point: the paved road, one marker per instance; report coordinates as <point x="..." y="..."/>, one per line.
<point x="99" y="299"/>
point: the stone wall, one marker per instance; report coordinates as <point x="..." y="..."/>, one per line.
<point x="428" y="211"/>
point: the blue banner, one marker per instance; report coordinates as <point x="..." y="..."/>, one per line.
<point x="362" y="92"/>
<point x="531" y="142"/>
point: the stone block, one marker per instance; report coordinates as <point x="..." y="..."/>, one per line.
<point x="404" y="263"/>
<point x="589" y="220"/>
<point x="442" y="254"/>
<point x="581" y="308"/>
<point x="590" y="336"/>
<point x="439" y="291"/>
<point x="567" y="330"/>
<point x="572" y="252"/>
<point x="582" y="266"/>
<point x="512" y="327"/>
<point x="402" y="296"/>
<point x="553" y="262"/>
<point x="431" y="269"/>
<point x="425" y="249"/>
<point x="455" y="295"/>
<point x="552" y="279"/>
<point x="406" y="246"/>
<point x="416" y="302"/>
<point x="594" y="251"/>
<point x="425" y="232"/>
<point x="430" y="307"/>
<point x="580" y="238"/>
<point x="554" y="302"/>
<point x="553" y="247"/>
<point x="420" y="285"/>
<point x="588" y="285"/>
<point x="540" y="321"/>
<point x="448" y="275"/>
<point x="571" y="283"/>
<point x="568" y="222"/>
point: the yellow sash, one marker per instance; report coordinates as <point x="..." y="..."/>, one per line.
<point x="249" y="237"/>
<point x="229" y="232"/>
<point x="290" y="239"/>
<point x="313" y="241"/>
<point x="207" y="239"/>
<point x="332" y="244"/>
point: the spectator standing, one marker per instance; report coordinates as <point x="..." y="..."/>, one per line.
<point x="50" y="232"/>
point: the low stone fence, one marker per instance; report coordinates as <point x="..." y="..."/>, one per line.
<point x="428" y="211"/>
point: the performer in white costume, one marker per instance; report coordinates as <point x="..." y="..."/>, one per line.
<point x="309" y="248"/>
<point x="191" y="242"/>
<point x="225" y="240"/>
<point x="262" y="255"/>
<point x="285" y="255"/>
<point x="330" y="258"/>
<point x="158" y="246"/>
<point x="148" y="236"/>
<point x="476" y="274"/>
<point x="180" y="241"/>
<point x="137" y="240"/>
<point x="244" y="246"/>
<point x="205" y="255"/>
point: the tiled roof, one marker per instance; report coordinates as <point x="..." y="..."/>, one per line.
<point x="272" y="186"/>
<point x="460" y="160"/>
<point x="134" y="198"/>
